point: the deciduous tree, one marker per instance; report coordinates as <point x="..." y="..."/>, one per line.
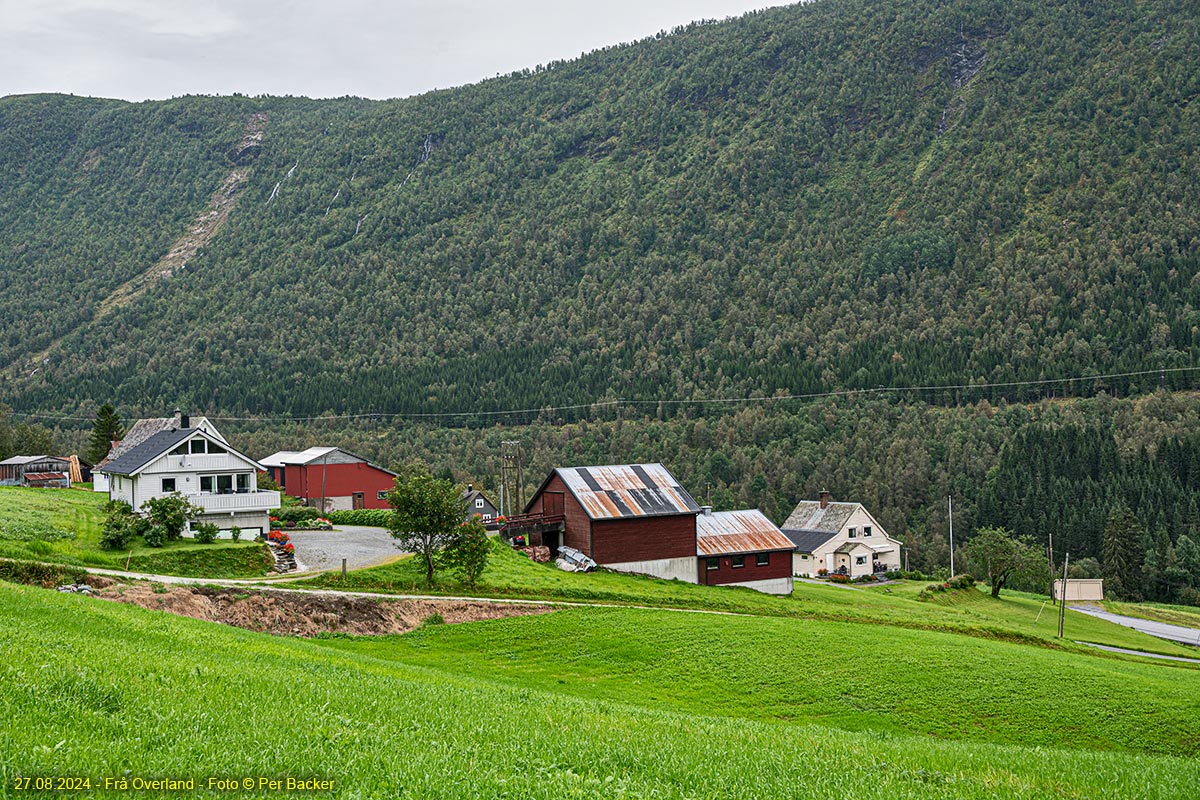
<point x="428" y="512"/>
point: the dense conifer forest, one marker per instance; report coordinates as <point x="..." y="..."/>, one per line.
<point x="989" y="195"/>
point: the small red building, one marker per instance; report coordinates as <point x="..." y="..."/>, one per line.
<point x="743" y="548"/>
<point x="631" y="518"/>
<point x="330" y="478"/>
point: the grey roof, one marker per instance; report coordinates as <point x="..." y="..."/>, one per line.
<point x="18" y="460"/>
<point x="809" y="516"/>
<point x="808" y="541"/>
<point x="146" y="451"/>
<point x="851" y="546"/>
<point x="142" y="430"/>
<point x="471" y="495"/>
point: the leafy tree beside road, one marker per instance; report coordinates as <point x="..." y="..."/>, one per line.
<point x="428" y="514"/>
<point x="1003" y="557"/>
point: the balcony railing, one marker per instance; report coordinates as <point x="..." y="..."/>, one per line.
<point x="245" y="501"/>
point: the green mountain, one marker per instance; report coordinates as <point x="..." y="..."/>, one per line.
<point x="845" y="194"/>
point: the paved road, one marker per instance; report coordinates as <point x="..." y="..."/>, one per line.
<point x="1175" y="633"/>
<point x="359" y="545"/>
<point x="1140" y="653"/>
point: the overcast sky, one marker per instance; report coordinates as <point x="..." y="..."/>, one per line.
<point x="154" y="49"/>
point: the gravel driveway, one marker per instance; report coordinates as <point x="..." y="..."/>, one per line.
<point x="359" y="545"/>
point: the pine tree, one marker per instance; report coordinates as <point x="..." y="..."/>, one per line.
<point x="106" y="430"/>
<point x="1122" y="554"/>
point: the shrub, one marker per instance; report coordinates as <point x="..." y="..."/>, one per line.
<point x="822" y="571"/>
<point x="45" y="575"/>
<point x="117" y="531"/>
<point x="235" y="533"/>
<point x="374" y="517"/>
<point x="155" y="535"/>
<point x="296" y="514"/>
<point x="839" y="578"/>
<point x="433" y="619"/>
<point x="206" y="533"/>
<point x="171" y="512"/>
<point x="963" y="581"/>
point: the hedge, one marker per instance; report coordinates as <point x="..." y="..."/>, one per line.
<point x="375" y="517"/>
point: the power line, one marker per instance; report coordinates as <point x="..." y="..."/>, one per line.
<point x="666" y="401"/>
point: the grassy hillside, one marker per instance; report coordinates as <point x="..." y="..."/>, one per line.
<point x="510" y="574"/>
<point x="850" y="676"/>
<point x="97" y="689"/>
<point x="842" y="194"/>
<point x="63" y="526"/>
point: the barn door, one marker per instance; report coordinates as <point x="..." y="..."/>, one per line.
<point x="552" y="504"/>
<point x="358" y="500"/>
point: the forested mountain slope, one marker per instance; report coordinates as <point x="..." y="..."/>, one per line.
<point x="845" y="194"/>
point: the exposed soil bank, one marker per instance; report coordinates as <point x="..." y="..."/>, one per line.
<point x="302" y="613"/>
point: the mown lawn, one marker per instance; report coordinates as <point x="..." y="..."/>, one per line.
<point x="841" y="674"/>
<point x="63" y="526"/>
<point x="96" y="689"/>
<point x="510" y="574"/>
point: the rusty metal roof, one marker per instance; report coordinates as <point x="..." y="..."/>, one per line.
<point x="730" y="532"/>
<point x="45" y="476"/>
<point x="630" y="490"/>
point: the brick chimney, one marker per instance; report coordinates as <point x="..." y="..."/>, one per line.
<point x="823" y="496"/>
<point x="178" y="421"/>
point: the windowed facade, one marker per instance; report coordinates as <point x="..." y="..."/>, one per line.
<point x="225" y="484"/>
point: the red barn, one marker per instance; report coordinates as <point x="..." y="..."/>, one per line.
<point x="743" y="548"/>
<point x="631" y="518"/>
<point x="330" y="477"/>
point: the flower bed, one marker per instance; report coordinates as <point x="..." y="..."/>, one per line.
<point x="316" y="524"/>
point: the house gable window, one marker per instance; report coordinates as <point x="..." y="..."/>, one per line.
<point x="737" y="562"/>
<point x="168" y="485"/>
<point x="866" y="530"/>
<point x="853" y="533"/>
<point x="762" y="559"/>
<point x="479" y="502"/>
<point x="712" y="564"/>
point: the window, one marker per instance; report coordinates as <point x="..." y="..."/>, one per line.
<point x="479" y="502"/>
<point x="738" y="562"/>
<point x="181" y="450"/>
<point x="712" y="563"/>
<point x="381" y="494"/>
<point x="866" y="530"/>
<point x="225" y="484"/>
<point x="860" y="559"/>
<point x="762" y="559"/>
<point x="168" y="484"/>
<point x="243" y="482"/>
<point x="197" y="446"/>
<point x="804" y="556"/>
<point x="853" y="533"/>
<point x="216" y="449"/>
<point x="206" y="483"/>
<point x="487" y="517"/>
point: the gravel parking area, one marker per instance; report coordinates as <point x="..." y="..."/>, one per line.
<point x="359" y="545"/>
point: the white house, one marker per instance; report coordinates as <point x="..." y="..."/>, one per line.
<point x="839" y="537"/>
<point x="142" y="430"/>
<point x="202" y="467"/>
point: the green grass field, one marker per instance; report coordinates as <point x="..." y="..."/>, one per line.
<point x="99" y="689"/>
<point x="63" y="526"/>
<point x="1188" y="616"/>
<point x="846" y="675"/>
<point x="510" y="574"/>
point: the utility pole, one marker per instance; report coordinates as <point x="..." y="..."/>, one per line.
<point x="512" y="476"/>
<point x="950" y="505"/>
<point x="324" y="468"/>
<point x="1062" y="597"/>
<point x="1051" y="552"/>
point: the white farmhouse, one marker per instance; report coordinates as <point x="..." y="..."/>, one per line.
<point x="142" y="430"/>
<point x="839" y="537"/>
<point x="202" y="467"/>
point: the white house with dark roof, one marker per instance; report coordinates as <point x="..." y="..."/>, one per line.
<point x="202" y="467"/>
<point x="839" y="537"/>
<point x="142" y="430"/>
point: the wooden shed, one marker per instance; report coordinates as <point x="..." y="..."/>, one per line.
<point x="743" y="548"/>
